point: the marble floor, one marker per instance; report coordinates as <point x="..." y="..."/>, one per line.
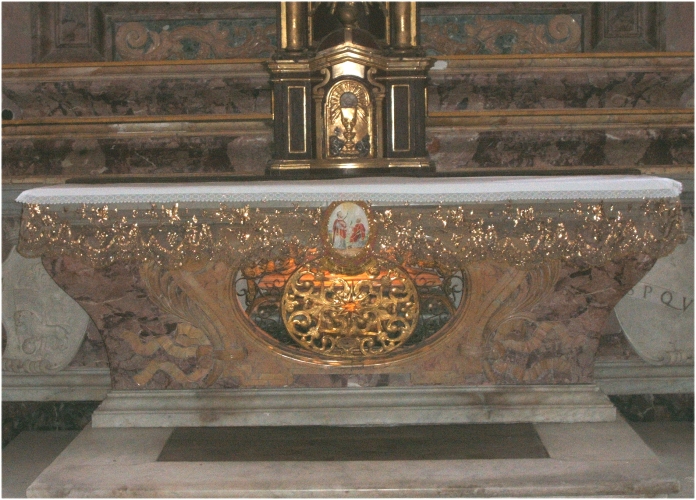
<point x="31" y="452"/>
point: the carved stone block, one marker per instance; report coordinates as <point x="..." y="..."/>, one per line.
<point x="663" y="301"/>
<point x="45" y="327"/>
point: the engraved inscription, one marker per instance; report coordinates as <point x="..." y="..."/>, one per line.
<point x="661" y="296"/>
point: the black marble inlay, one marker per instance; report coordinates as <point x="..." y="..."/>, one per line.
<point x="18" y="416"/>
<point x="324" y="443"/>
<point x="655" y="407"/>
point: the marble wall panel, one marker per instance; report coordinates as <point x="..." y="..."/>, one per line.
<point x="148" y="156"/>
<point x="138" y="97"/>
<point x="453" y="149"/>
<point x="507" y="90"/>
<point x="470" y="92"/>
<point x="40" y="157"/>
<point x="450" y="148"/>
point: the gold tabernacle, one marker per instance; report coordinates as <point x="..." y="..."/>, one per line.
<point x="352" y="98"/>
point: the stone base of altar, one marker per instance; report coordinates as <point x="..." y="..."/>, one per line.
<point x="354" y="406"/>
<point x="83" y="384"/>
<point x="584" y="459"/>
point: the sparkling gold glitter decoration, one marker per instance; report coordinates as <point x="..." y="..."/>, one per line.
<point x="260" y="288"/>
<point x="585" y="233"/>
<point x="350" y="316"/>
<point x="507" y="258"/>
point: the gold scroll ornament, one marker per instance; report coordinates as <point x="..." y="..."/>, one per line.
<point x="350" y="316"/>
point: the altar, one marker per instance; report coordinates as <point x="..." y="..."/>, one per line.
<point x="352" y="301"/>
<point x="383" y="312"/>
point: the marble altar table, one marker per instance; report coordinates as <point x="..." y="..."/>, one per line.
<point x="352" y="301"/>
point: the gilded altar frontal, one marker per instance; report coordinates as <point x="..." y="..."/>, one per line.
<point x="405" y="287"/>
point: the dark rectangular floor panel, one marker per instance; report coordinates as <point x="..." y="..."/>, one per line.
<point x="323" y="443"/>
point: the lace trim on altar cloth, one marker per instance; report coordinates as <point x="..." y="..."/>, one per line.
<point x="405" y="190"/>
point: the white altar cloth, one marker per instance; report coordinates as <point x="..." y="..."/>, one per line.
<point x="413" y="190"/>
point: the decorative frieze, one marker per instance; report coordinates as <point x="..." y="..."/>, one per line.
<point x="480" y="34"/>
<point x="93" y="31"/>
<point x="219" y="39"/>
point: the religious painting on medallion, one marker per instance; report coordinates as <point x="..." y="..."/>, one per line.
<point x="348" y="234"/>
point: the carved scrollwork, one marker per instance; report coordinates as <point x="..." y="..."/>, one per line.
<point x="484" y="35"/>
<point x="45" y="327"/>
<point x="517" y="346"/>
<point x="135" y="42"/>
<point x="350" y="316"/>
<point x="260" y="287"/>
<point x="518" y="351"/>
<point x="198" y="334"/>
<point x="188" y="342"/>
